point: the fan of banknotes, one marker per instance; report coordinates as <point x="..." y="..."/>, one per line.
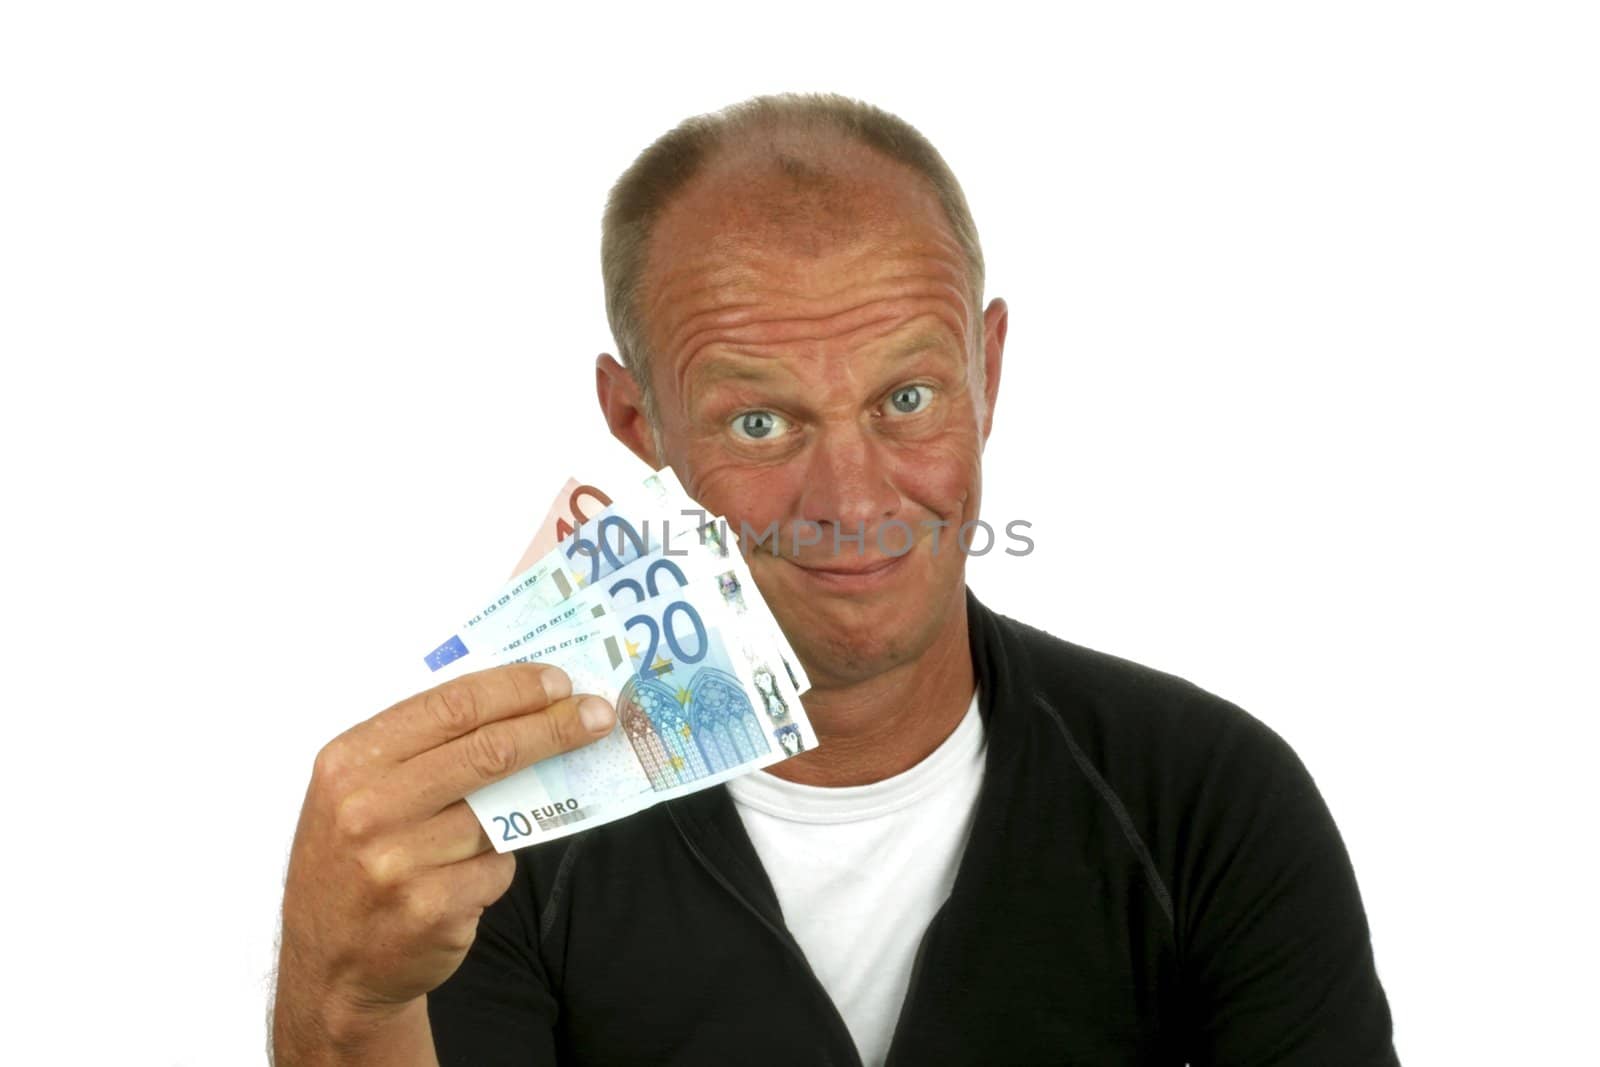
<point x="647" y="601"/>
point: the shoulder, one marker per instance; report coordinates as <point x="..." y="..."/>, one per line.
<point x="1236" y="842"/>
<point x="1188" y="772"/>
<point x="1129" y="716"/>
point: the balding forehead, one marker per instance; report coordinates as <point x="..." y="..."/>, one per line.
<point x="793" y="176"/>
<point x="798" y="153"/>
<point x="772" y="201"/>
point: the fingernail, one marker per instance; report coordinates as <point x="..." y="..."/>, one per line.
<point x="557" y="686"/>
<point x="596" y="714"/>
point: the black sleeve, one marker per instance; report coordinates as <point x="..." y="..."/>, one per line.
<point x="1277" y="958"/>
<point x="497" y="1009"/>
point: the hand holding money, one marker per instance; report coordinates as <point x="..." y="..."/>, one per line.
<point x="390" y="870"/>
<point x="630" y="661"/>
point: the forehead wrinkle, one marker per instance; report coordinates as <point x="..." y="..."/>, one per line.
<point x="872" y="319"/>
<point x="754" y="321"/>
<point x="754" y="330"/>
<point x="741" y="265"/>
<point x="731" y="363"/>
<point x="794" y="333"/>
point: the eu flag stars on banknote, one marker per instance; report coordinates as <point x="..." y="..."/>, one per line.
<point x="644" y="600"/>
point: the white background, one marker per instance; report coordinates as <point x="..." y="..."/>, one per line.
<point x="299" y="306"/>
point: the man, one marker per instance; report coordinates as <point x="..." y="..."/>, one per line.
<point x="1007" y="848"/>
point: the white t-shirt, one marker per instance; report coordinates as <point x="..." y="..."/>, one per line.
<point x="860" y="870"/>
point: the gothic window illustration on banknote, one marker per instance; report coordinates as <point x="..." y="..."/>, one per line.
<point x="661" y="737"/>
<point x="684" y="733"/>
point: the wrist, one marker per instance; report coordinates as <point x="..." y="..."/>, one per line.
<point x="336" y="1030"/>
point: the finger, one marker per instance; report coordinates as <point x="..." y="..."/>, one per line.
<point x="451" y="836"/>
<point x="484" y="878"/>
<point x="449" y="900"/>
<point x="437" y="778"/>
<point x="455" y="709"/>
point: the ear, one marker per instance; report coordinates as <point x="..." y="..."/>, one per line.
<point x="623" y="408"/>
<point x="995" y="318"/>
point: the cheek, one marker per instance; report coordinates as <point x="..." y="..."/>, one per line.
<point x="941" y="476"/>
<point x="741" y="493"/>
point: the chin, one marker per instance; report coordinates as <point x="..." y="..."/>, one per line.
<point x="844" y="658"/>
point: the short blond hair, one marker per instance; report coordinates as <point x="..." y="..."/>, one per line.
<point x="644" y="190"/>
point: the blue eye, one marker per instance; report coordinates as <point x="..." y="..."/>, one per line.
<point x="910" y="399"/>
<point x="758" y="425"/>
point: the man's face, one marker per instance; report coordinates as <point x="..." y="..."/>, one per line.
<point x="814" y="370"/>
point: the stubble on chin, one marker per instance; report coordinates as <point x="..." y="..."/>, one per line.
<point x="845" y="658"/>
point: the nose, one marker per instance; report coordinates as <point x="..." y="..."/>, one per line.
<point x="848" y="485"/>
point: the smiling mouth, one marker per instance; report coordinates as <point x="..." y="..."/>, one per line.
<point x="855" y="575"/>
<point x="861" y="568"/>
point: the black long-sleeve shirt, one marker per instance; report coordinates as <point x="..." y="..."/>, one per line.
<point x="1152" y="878"/>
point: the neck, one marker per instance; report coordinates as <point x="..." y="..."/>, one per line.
<point x="877" y="727"/>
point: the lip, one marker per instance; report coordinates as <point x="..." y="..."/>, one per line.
<point x="858" y="577"/>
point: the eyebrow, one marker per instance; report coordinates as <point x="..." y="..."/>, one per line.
<point x="723" y="369"/>
<point x="918" y="344"/>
